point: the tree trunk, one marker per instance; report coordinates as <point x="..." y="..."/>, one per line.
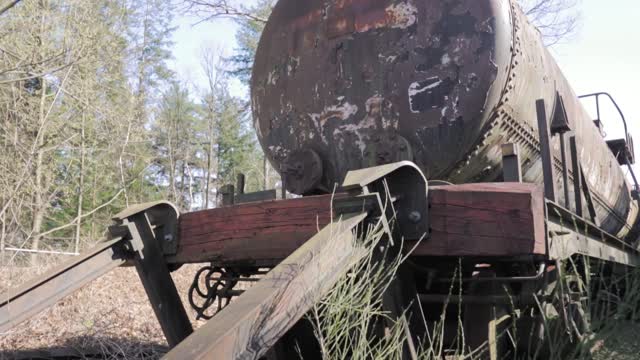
<point x="80" y="188"/>
<point x="38" y="201"/>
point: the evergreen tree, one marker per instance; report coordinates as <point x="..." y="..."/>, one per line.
<point x="248" y="37"/>
<point x="179" y="134"/>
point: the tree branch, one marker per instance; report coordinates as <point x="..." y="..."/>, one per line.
<point x="211" y="9"/>
<point x="8" y="6"/>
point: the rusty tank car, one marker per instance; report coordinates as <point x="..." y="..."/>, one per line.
<point x="383" y="97"/>
<point x="348" y="84"/>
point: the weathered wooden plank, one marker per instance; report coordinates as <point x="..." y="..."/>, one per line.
<point x="20" y="304"/>
<point x="498" y="219"/>
<point x="306" y="213"/>
<point x="492" y="219"/>
<point x="157" y="281"/>
<point x="261" y="233"/>
<point x="252" y="324"/>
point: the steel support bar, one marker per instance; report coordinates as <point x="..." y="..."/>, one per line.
<point x="565" y="170"/>
<point x="587" y="195"/>
<point x="253" y="323"/>
<point x="511" y="169"/>
<point x="545" y="152"/>
<point x="20" y="304"/>
<point x="577" y="176"/>
<point x="571" y="235"/>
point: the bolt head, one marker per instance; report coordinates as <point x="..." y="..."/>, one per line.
<point x="415" y="217"/>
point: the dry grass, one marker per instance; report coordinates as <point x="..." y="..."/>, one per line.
<point x="110" y="317"/>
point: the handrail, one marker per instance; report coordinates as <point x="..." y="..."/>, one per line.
<point x="597" y="96"/>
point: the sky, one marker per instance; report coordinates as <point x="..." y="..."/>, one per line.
<point x="191" y="38"/>
<point x="603" y="56"/>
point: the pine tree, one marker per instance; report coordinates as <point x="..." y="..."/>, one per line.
<point x="247" y="38"/>
<point x="179" y="133"/>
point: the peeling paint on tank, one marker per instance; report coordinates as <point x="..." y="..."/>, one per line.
<point x="415" y="87"/>
<point x="355" y="129"/>
<point x="428" y="94"/>
<point x="388" y="59"/>
<point x="402" y="15"/>
<point x="292" y="66"/>
<point x="273" y="77"/>
<point x="279" y="151"/>
<point x="342" y="112"/>
<point x="446" y="59"/>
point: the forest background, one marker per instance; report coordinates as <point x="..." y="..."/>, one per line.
<point x="94" y="116"/>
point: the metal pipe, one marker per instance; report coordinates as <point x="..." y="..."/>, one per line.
<point x="42" y="252"/>
<point x="597" y="96"/>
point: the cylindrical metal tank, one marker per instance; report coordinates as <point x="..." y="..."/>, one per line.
<point x="346" y="84"/>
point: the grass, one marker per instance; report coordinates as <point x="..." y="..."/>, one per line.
<point x="347" y="320"/>
<point x="112" y="317"/>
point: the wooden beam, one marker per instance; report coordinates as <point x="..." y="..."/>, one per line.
<point x="261" y="233"/>
<point x="157" y="281"/>
<point x="20" y="304"/>
<point x="253" y="323"/>
<point x="494" y="219"/>
<point x="468" y="220"/>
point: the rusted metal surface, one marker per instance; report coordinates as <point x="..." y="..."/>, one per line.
<point x="570" y="235"/>
<point x="441" y="83"/>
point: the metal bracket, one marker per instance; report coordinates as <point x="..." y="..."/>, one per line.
<point x="163" y="217"/>
<point x="405" y="184"/>
<point x="152" y="232"/>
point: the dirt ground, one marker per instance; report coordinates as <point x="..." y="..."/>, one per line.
<point x="112" y="319"/>
<point x="110" y="316"/>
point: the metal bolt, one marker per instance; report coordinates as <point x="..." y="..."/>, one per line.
<point x="415" y="217"/>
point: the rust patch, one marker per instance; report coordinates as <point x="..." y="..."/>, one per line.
<point x="356" y="16"/>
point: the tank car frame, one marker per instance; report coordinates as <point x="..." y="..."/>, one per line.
<point x="509" y="244"/>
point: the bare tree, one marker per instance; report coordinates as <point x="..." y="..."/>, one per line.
<point x="210" y="9"/>
<point x="212" y="64"/>
<point x="6" y="7"/>
<point x="557" y="20"/>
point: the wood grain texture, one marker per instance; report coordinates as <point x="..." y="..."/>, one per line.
<point x="254" y="322"/>
<point x="257" y="233"/>
<point x="495" y="219"/>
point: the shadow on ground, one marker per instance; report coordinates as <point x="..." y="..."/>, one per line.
<point x="91" y="348"/>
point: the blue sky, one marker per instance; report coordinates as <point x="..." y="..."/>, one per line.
<point x="603" y="56"/>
